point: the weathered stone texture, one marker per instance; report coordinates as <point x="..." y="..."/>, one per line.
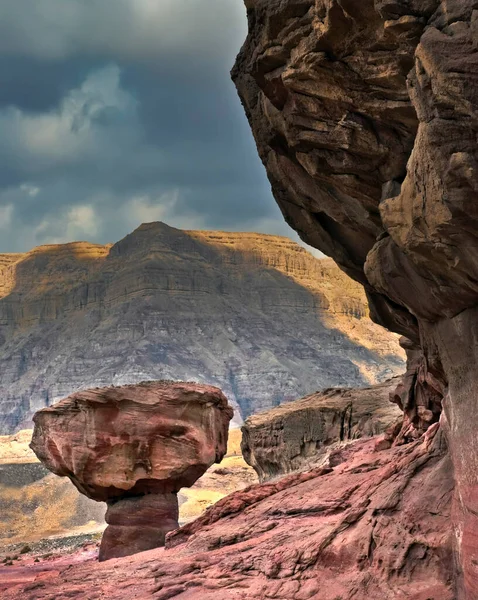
<point x="365" y="116"/>
<point x="138" y="523"/>
<point x="297" y="436"/>
<point x="134" y="447"/>
<point x="154" y="437"/>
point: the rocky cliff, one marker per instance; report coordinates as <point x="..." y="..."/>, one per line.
<point x="256" y="315"/>
<point x="299" y="435"/>
<point x="365" y="116"/>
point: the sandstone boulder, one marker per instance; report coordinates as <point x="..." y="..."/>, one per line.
<point x="134" y="447"/>
<point x="296" y="436"/>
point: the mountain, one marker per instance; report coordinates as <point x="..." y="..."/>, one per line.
<point x="255" y="314"/>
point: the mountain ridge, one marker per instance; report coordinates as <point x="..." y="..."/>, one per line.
<point x="257" y="315"/>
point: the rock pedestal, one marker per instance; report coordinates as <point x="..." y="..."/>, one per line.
<point x="134" y="447"/>
<point x="139" y="523"/>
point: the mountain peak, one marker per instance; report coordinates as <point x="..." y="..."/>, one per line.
<point x="253" y="314"/>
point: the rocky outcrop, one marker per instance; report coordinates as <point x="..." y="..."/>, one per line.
<point x="367" y="525"/>
<point x="134" y="447"/>
<point x="297" y="436"/>
<point x="365" y="116"/>
<point x="36" y="505"/>
<point x="256" y="315"/>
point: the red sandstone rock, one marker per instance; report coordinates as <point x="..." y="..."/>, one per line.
<point x="296" y="436"/>
<point x="365" y="116"/>
<point x="382" y="444"/>
<point x="134" y="447"/>
<point x="375" y="526"/>
<point x="138" y="523"/>
<point x="154" y="437"/>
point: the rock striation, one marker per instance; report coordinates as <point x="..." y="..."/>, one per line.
<point x="256" y="315"/>
<point x="365" y="116"/>
<point x="134" y="447"/>
<point x="297" y="436"/>
<point x="366" y="525"/>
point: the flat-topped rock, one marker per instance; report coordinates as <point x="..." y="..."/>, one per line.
<point x="135" y="439"/>
<point x="295" y="436"/>
<point x="134" y="447"/>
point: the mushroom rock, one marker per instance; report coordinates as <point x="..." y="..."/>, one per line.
<point x="134" y="447"/>
<point x="365" y="116"/>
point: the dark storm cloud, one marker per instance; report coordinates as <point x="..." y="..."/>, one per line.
<point x="36" y="85"/>
<point x="115" y="112"/>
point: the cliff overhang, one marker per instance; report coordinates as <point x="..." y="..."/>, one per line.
<point x="365" y="117"/>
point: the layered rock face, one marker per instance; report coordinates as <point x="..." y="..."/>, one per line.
<point x="134" y="447"/>
<point x="256" y="315"/>
<point x="365" y="116"/>
<point x="297" y="436"/>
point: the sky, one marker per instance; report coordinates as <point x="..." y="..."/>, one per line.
<point x="118" y="112"/>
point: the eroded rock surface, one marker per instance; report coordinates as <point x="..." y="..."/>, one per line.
<point x="138" y="523"/>
<point x="295" y="436"/>
<point x="368" y="525"/>
<point x="134" y="447"/>
<point x="365" y="116"/>
<point x="60" y="510"/>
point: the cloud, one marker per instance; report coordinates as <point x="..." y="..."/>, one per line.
<point x="31" y="190"/>
<point x="79" y="223"/>
<point x="120" y="29"/>
<point x="146" y="209"/>
<point x="88" y="120"/>
<point x="115" y="112"/>
<point x="6" y="213"/>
